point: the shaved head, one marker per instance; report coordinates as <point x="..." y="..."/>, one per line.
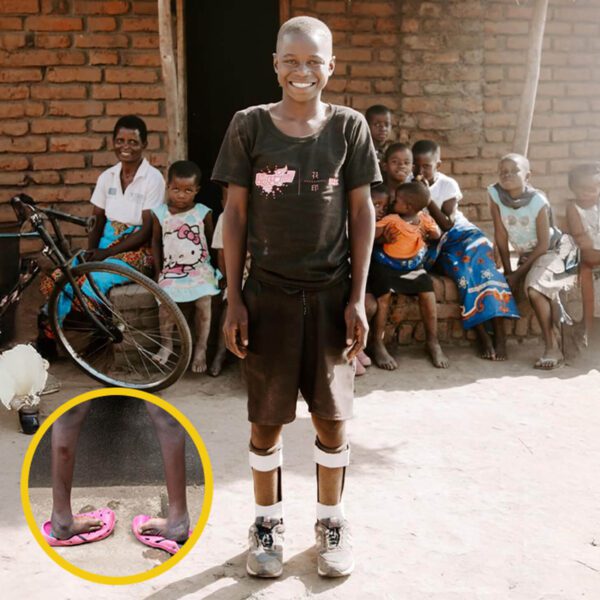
<point x="518" y="159"/>
<point x="308" y="26"/>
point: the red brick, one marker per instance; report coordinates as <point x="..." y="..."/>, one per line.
<point x="359" y="86"/>
<point x="58" y="7"/>
<point x="13" y="41"/>
<point x="374" y="71"/>
<point x="103" y="125"/>
<point x="45" y="177"/>
<point x="375" y="9"/>
<point x="143" y="92"/>
<point x="109" y="7"/>
<point x="8" y="23"/>
<point x="387" y="55"/>
<point x="60" y="194"/>
<point x="75" y="144"/>
<point x="66" y="108"/>
<point x="58" y="162"/>
<point x="506" y="27"/>
<point x="54" y="92"/>
<point x="13" y="163"/>
<point x="156" y="124"/>
<point x="354" y="54"/>
<point x="11" y="110"/>
<point x="103" y="159"/>
<point x="144" y="41"/>
<point x="101" y="40"/>
<point x="385" y="26"/>
<point x="19" y="6"/>
<point x="354" y="24"/>
<point x="84" y="176"/>
<point x="146" y="24"/>
<point x="141" y="59"/>
<point x="127" y="75"/>
<point x="58" y="126"/>
<point x="409" y="25"/>
<point x="475" y="166"/>
<point x="54" y="24"/>
<point x="373" y="40"/>
<point x="570" y="105"/>
<point x="34" y="58"/>
<point x="106" y="91"/>
<point x="43" y="40"/>
<point x="130" y="107"/>
<point x="571" y="134"/>
<point x="63" y="75"/>
<point x="13" y="179"/>
<point x="103" y="57"/>
<point x="14" y="92"/>
<point x="14" y="128"/>
<point x="29" y="144"/>
<point x="384" y="86"/>
<point x="101" y="24"/>
<point x="144" y="7"/>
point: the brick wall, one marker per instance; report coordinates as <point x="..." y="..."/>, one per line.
<point x="453" y="70"/>
<point x="68" y="70"/>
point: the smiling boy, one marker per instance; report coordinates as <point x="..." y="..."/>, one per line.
<point x="298" y="174"/>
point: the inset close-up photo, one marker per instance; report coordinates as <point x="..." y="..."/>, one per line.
<point x="116" y="486"/>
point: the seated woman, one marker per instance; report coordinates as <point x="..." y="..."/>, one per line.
<point x="123" y="201"/>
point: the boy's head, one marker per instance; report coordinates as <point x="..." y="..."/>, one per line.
<point x="411" y="198"/>
<point x="584" y="182"/>
<point x="379" y="119"/>
<point x="380" y="196"/>
<point x="398" y="162"/>
<point x="183" y="183"/>
<point x="130" y="137"/>
<point x="427" y="159"/>
<point x="303" y="59"/>
<point x="513" y="173"/>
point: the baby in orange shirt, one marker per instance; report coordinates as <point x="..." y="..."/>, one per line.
<point x="408" y="227"/>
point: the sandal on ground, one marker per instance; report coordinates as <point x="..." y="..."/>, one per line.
<point x="548" y="363"/>
<point x="105" y="515"/>
<point x="155" y="541"/>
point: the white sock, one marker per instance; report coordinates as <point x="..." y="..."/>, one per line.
<point x="325" y="511"/>
<point x="273" y="511"/>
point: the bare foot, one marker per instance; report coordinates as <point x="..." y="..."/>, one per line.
<point x="199" y="361"/>
<point x="364" y="360"/>
<point x="552" y="359"/>
<point x="383" y="359"/>
<point x="486" y="346"/>
<point x="177" y="531"/>
<point x="500" y="348"/>
<point x="162" y="356"/>
<point x="359" y="369"/>
<point x="63" y="530"/>
<point x="217" y="364"/>
<point x="438" y="358"/>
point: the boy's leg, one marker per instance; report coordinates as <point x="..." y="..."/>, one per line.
<point x="202" y="329"/>
<point x="171" y="437"/>
<point x="217" y="363"/>
<point x="370" y="310"/>
<point x="381" y="356"/>
<point x="486" y="345"/>
<point x="166" y="324"/>
<point x="429" y="316"/>
<point x="65" y="433"/>
<point x="543" y="311"/>
<point x="499" y="338"/>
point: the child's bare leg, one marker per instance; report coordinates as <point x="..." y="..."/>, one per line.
<point x="267" y="484"/>
<point x="429" y="316"/>
<point x="486" y="345"/>
<point x="381" y="356"/>
<point x="202" y="329"/>
<point x="171" y="437"/>
<point x="217" y="364"/>
<point x="543" y="311"/>
<point x="499" y="338"/>
<point x="331" y="437"/>
<point x="370" y="309"/>
<point x="65" y="433"/>
<point x="166" y="324"/>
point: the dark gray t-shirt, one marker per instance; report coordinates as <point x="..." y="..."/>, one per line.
<point x="297" y="208"/>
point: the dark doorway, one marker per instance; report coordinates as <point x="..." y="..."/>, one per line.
<point x="229" y="67"/>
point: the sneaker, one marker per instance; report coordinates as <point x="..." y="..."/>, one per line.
<point x="334" y="548"/>
<point x="265" y="552"/>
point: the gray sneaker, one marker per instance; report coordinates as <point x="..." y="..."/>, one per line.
<point x="265" y="554"/>
<point x="334" y="548"/>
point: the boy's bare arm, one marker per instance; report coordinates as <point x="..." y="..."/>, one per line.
<point x="501" y="238"/>
<point x="582" y="239"/>
<point x="444" y="217"/>
<point x="157" y="256"/>
<point x="361" y="227"/>
<point x="235" y="230"/>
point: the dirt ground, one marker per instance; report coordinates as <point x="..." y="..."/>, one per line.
<point x="479" y="482"/>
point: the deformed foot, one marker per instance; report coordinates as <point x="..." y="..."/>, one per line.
<point x="552" y="359"/>
<point x="177" y="530"/>
<point x="217" y="364"/>
<point x="162" y="356"/>
<point x="359" y="369"/>
<point x="438" y="358"/>
<point x="63" y="529"/>
<point x="383" y="359"/>
<point x="364" y="360"/>
<point x="199" y="362"/>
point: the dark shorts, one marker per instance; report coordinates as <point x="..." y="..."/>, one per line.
<point x="296" y="341"/>
<point x="383" y="279"/>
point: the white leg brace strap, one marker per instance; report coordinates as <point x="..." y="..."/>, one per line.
<point x="266" y="462"/>
<point x="324" y="511"/>
<point x="274" y="511"/>
<point x="332" y="460"/>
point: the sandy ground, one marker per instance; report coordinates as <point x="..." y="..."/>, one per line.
<point x="480" y="482"/>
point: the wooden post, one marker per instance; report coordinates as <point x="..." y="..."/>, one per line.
<point x="284" y="11"/>
<point x="534" y="59"/>
<point x="167" y="57"/>
<point x="182" y="76"/>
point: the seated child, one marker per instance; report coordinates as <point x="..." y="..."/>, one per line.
<point x="181" y="257"/>
<point x="399" y="268"/>
<point x="379" y="119"/>
<point x="523" y="217"/>
<point x="583" y="217"/>
<point x="466" y="256"/>
<point x="397" y="166"/>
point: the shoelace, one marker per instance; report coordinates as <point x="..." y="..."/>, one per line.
<point x="333" y="537"/>
<point x="265" y="537"/>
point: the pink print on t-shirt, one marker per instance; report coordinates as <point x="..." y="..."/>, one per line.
<point x="267" y="181"/>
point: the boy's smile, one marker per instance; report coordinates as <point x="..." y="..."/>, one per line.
<point x="587" y="191"/>
<point x="512" y="176"/>
<point x="399" y="165"/>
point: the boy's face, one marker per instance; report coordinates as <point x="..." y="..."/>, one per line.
<point x="399" y="165"/>
<point x="426" y="166"/>
<point x="380" y="202"/>
<point x="587" y="190"/>
<point x="512" y="176"/>
<point x="181" y="191"/>
<point x="380" y="127"/>
<point x="128" y="145"/>
<point x="402" y="205"/>
<point x="303" y="63"/>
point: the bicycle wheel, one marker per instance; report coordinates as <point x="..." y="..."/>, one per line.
<point x="129" y="312"/>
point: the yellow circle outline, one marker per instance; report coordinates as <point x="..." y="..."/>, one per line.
<point x="206" y="504"/>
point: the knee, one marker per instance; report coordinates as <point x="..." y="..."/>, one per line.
<point x="331" y="434"/>
<point x="162" y="420"/>
<point x="263" y="437"/>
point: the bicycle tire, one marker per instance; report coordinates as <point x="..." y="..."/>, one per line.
<point x="88" y="349"/>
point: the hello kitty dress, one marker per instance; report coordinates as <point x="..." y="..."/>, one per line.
<point x="187" y="273"/>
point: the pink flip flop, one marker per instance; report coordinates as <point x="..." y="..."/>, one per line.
<point x="154" y="541"/>
<point x="107" y="517"/>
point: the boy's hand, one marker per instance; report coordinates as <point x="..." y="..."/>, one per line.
<point x="389" y="235"/>
<point x="236" y="329"/>
<point x="357" y="328"/>
<point x="97" y="254"/>
<point x="513" y="281"/>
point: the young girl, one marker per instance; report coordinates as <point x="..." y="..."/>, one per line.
<point x="182" y="259"/>
<point x="523" y="217"/>
<point x="583" y="217"/>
